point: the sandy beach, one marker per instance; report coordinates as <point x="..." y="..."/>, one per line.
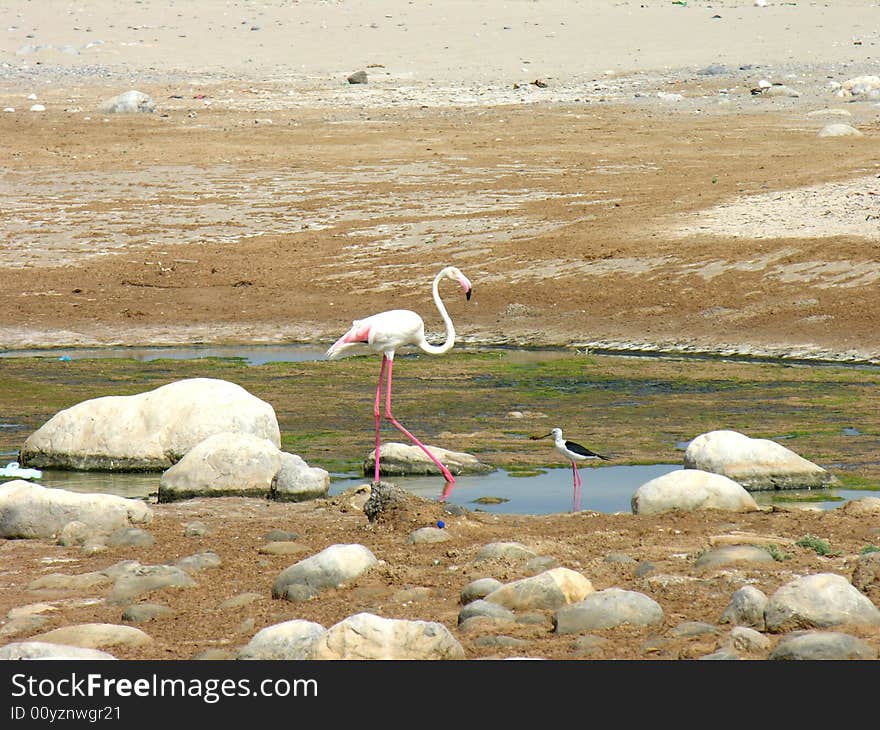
<point x="450" y="42"/>
<point x="623" y="143"/>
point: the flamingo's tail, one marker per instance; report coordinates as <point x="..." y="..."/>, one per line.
<point x="353" y="342"/>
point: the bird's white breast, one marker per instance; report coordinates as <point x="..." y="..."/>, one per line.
<point x="395" y="328"/>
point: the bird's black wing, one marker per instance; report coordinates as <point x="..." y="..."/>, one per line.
<point x="583" y="450"/>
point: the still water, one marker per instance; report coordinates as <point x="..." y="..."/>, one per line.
<point x="606" y="489"/>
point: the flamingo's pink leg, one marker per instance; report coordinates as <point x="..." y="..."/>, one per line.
<point x="443" y="470"/>
<point x="377" y="416"/>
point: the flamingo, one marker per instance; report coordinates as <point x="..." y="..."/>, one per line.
<point x="385" y="333"/>
<point x="574" y="452"/>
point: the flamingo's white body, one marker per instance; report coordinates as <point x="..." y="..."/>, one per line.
<point x="385" y="333"/>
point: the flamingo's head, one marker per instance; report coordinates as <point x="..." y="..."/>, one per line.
<point x="455" y="274"/>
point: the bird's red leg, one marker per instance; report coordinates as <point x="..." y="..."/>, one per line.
<point x="443" y="470"/>
<point x="377" y="416"/>
<point x="574" y="496"/>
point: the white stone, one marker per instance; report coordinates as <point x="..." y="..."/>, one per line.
<point x="863" y="506"/>
<point x="608" y="608"/>
<point x="329" y="568"/>
<point x="860" y="86"/>
<point x="397" y="459"/>
<point x="32" y="511"/>
<point x="839" y="130"/>
<point x="691" y="489"/>
<point x="506" y="551"/>
<point x="129" y="102"/>
<point x="829" y="113"/>
<point x="746" y="608"/>
<point x="241" y="464"/>
<point x="46" y="650"/>
<point x="148" y="431"/>
<point x="95" y="635"/>
<point x="223" y="464"/>
<point x="287" y="640"/>
<point x="819" y="601"/>
<point x="743" y="638"/>
<point x="366" y="636"/>
<point x="550" y="589"/>
<point x="822" y="645"/>
<point x="297" y="481"/>
<point x="753" y="462"/>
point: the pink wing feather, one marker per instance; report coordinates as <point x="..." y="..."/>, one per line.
<point x="352" y="342"/>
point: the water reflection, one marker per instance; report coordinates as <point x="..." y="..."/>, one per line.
<point x="123" y="484"/>
<point x="606" y="489"/>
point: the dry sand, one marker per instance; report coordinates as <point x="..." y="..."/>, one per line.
<point x="639" y="162"/>
<point x="446" y="42"/>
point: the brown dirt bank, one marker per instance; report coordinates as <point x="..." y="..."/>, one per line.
<point x="579" y="223"/>
<point x="670" y="543"/>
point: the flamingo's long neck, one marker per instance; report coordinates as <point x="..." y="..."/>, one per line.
<point x="450" y="330"/>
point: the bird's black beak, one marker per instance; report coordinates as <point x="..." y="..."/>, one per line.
<point x="535" y="438"/>
<point x="468" y="294"/>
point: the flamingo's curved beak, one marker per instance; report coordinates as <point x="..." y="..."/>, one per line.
<point x="466" y="285"/>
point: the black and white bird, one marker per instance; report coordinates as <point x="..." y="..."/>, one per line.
<point x="574" y="452"/>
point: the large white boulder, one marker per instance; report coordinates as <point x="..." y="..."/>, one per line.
<point x="32" y="511"/>
<point x="225" y="464"/>
<point x="691" y="489"/>
<point x="149" y="431"/>
<point x="244" y="465"/>
<point x="755" y="463"/>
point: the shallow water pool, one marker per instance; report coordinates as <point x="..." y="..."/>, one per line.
<point x="606" y="489"/>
